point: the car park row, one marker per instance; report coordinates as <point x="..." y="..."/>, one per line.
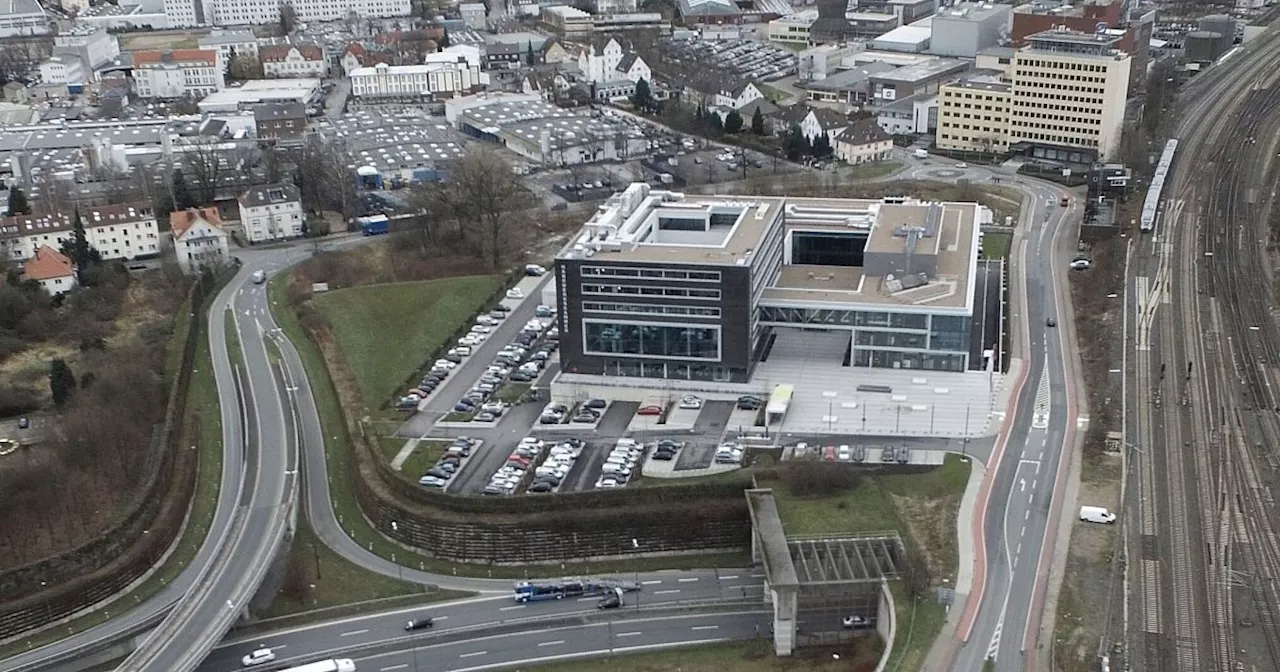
<point x="547" y="475"/>
<point x="619" y="466"/>
<point x="522" y="361"/>
<point x="450" y="464"/>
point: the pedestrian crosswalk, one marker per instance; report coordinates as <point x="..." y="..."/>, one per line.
<point x="1040" y="416"/>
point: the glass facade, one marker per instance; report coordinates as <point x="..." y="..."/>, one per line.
<point x="651" y="340"/>
<point x="827" y="248"/>
<point x="853" y="318"/>
<point x="675" y="370"/>
<point x="890" y="340"/>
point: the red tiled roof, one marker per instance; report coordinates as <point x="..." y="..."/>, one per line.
<point x="181" y="220"/>
<point x="355" y="48"/>
<point x="47" y="264"/>
<point x="156" y="57"/>
<point x="103" y="215"/>
<point x="277" y="53"/>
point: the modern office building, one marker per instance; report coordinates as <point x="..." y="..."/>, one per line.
<point x="973" y="113"/>
<point x="966" y="28"/>
<point x="677" y="286"/>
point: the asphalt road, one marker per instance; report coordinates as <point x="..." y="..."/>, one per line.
<point x="1018" y="512"/>
<point x="661" y="588"/>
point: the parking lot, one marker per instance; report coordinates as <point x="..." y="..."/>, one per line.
<point x="748" y="58"/>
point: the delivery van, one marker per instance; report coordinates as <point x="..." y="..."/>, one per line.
<point x="1096" y="514"/>
<point x="921" y="154"/>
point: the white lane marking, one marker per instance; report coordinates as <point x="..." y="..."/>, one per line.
<point x="704" y="627"/>
<point x="626" y="634"/>
<point x="650" y="583"/>
<point x="729" y="576"/>
<point x="354" y="632"/>
<point x="440" y="618"/>
<point x="518" y="606"/>
<point x="585" y="599"/>
<point x="665" y="592"/>
<point x="687" y="580"/>
<point x="757" y="576"/>
<point x="401" y="666"/>
<point x="473" y="654"/>
<point x="552" y="643"/>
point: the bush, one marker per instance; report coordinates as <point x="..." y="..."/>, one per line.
<point x="17" y="400"/>
<point x="818" y="479"/>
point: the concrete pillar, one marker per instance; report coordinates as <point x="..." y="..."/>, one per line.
<point x="784" y="620"/>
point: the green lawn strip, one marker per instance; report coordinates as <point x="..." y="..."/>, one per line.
<point x="338" y="454"/>
<point x="424" y="456"/>
<point x="390" y="446"/>
<point x="773" y="93"/>
<point x="388" y="331"/>
<point x="918" y="625"/>
<point x="755" y="656"/>
<point x="996" y="245"/>
<point x="457" y="416"/>
<point x="233" y="339"/>
<point x="202" y="400"/>
<point x="325" y="580"/>
<point x="512" y="392"/>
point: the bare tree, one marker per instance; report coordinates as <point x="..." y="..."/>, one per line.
<point x="324" y="177"/>
<point x="246" y="66"/>
<point x="288" y="18"/>
<point x="482" y="193"/>
<point x="209" y="163"/>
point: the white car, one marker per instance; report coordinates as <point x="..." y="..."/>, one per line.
<point x="1080" y="265"/>
<point x="690" y="401"/>
<point x="962" y="166"/>
<point x="607" y="482"/>
<point x="461" y="350"/>
<point x="444" y="364"/>
<point x="481" y="329"/>
<point x="486" y="321"/>
<point x="258" y="657"/>
<point x="844" y="453"/>
<point x="515" y="293"/>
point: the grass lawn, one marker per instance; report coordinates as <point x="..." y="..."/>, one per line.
<point x="390" y="446"/>
<point x="867" y="171"/>
<point x="773" y="93"/>
<point x="329" y="580"/>
<point x="918" y="626"/>
<point x="338" y="454"/>
<point x="923" y="504"/>
<point x="736" y="657"/>
<point x="423" y="458"/>
<point x="202" y="423"/>
<point x="996" y="245"/>
<point x="388" y="331"/>
<point x="511" y="392"/>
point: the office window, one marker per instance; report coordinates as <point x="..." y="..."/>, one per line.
<point x="651" y="340"/>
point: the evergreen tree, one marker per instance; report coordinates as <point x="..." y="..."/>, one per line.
<point x="643" y="97"/>
<point x="757" y="122"/>
<point x="181" y="194"/>
<point x="444" y="39"/>
<point x="62" y="382"/>
<point x="821" y="146"/>
<point x="18" y="202"/>
<point x="530" y="59"/>
<point x="795" y="144"/>
<point x="81" y="253"/>
<point x="732" y="122"/>
<point x="714" y="124"/>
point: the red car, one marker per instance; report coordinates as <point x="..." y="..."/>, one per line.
<point x="649" y="410"/>
<point x="829" y="453"/>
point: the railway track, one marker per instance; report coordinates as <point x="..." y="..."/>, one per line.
<point x="1206" y="543"/>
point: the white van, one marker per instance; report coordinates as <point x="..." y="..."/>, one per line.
<point x="1096" y="514"/>
<point x="921" y="153"/>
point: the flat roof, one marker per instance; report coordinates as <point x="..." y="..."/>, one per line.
<point x="983" y="80"/>
<point x="626" y="228"/>
<point x="972" y="11"/>
<point x="906" y="35"/>
<point x="924" y="70"/>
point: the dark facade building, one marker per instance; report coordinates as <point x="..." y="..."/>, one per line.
<point x="280" y="123"/>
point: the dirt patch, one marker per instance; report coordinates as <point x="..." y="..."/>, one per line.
<point x="1088" y="595"/>
<point x="932" y="523"/>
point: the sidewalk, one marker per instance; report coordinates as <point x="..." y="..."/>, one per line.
<point x="944" y="646"/>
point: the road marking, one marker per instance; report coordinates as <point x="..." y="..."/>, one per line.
<point x="1022" y="533"/>
<point x="1026" y="516"/>
<point x="554" y="643"/>
<point x="518" y="606"/>
<point x="401" y="666"/>
<point x="585" y="599"/>
<point x="689" y="580"/>
<point x="704" y="627"/>
<point x="651" y="582"/>
<point x="626" y="634"/>
<point x="757" y="576"/>
<point x="730" y="576"/>
<point x="440" y="618"/>
<point x="354" y="632"/>
<point x="665" y="592"/>
<point x="472" y="655"/>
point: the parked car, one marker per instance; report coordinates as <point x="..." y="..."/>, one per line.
<point x="485" y="416"/>
<point x="432" y="482"/>
<point x="844" y="453"/>
<point x="690" y="401"/>
<point x="649" y="410"/>
<point x="595" y="403"/>
<point x="463" y="407"/>
<point x="540" y="487"/>
<point x="515" y="293"/>
<point x="854" y="622"/>
<point x="544" y="311"/>
<point x="534" y="270"/>
<point x="750" y="403"/>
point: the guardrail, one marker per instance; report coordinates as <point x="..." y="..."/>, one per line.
<point x="100" y="644"/>
<point x="515" y="625"/>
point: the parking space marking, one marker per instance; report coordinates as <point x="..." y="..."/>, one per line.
<point x="650" y="583"/>
<point x="353" y="632"/>
<point x="728" y="577"/>
<point x="687" y="580"/>
<point x="554" y="643"/>
<point x="401" y="666"/>
<point x="704" y="627"/>
<point x="518" y="606"/>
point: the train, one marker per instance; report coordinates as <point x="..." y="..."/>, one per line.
<point x="1151" y="206"/>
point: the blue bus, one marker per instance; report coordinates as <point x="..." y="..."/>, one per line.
<point x="558" y="589"/>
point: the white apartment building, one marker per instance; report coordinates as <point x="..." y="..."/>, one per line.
<point x="1062" y="98"/>
<point x="62" y="70"/>
<point x="271" y="212"/>
<point x="23" y="17"/>
<point x="93" y="46"/>
<point x="125" y="231"/>
<point x="184" y="13"/>
<point x="793" y="28"/>
<point x="177" y="73"/>
<point x="455" y="77"/>
<point x="290" y="60"/>
<point x="199" y="241"/>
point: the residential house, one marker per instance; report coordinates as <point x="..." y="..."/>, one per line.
<point x="737" y="96"/>
<point x="125" y="231"/>
<point x="293" y="61"/>
<point x="52" y="269"/>
<point x="199" y="241"/>
<point x="813" y="121"/>
<point x="280" y="123"/>
<point x="474" y="14"/>
<point x="356" y="56"/>
<point x="552" y="52"/>
<point x="271" y="212"/>
<point x="863" y="142"/>
<point x="505" y="55"/>
<point x="177" y="73"/>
